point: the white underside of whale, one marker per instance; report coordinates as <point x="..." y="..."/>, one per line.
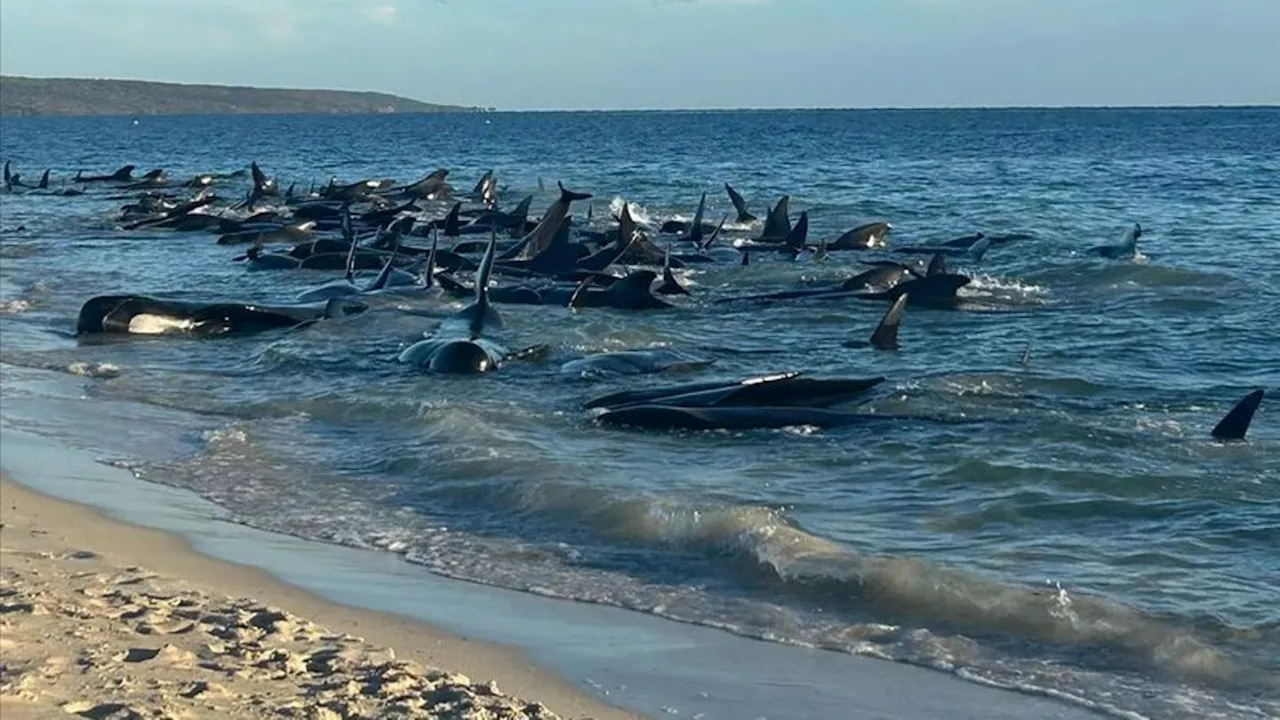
<point x="147" y="324"/>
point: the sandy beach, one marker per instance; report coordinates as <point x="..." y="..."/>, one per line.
<point x="101" y="619"/>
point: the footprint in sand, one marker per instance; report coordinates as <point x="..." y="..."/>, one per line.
<point x="165" y="654"/>
<point x="200" y="688"/>
<point x="99" y="711"/>
<point x="170" y="627"/>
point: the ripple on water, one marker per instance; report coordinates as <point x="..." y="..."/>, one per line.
<point x="925" y="542"/>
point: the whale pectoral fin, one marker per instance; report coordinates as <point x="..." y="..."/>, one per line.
<point x="979" y="249"/>
<point x="1235" y="424"/>
<point x="706" y="244"/>
<point x="582" y="288"/>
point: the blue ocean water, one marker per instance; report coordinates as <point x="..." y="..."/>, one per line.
<point x="1080" y="537"/>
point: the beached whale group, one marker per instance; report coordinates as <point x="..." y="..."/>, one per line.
<point x="492" y="255"/>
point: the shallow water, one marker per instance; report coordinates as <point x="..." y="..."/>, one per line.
<point x="1078" y="535"/>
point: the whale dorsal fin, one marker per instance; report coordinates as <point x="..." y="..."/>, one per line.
<point x="799" y="234"/>
<point x="778" y="224"/>
<point x="937" y="265"/>
<point x="886" y="335"/>
<point x="695" y="229"/>
<point x="1131" y="237"/>
<point x="479" y="189"/>
<point x="429" y="272"/>
<point x="521" y="211"/>
<point x="482" y="286"/>
<point x="451" y="225"/>
<point x="349" y="235"/>
<point x="626" y="227"/>
<point x="1235" y="424"/>
<point x="670" y="285"/>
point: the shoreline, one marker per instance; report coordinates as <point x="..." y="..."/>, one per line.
<point x="49" y="544"/>
<point x="53" y="441"/>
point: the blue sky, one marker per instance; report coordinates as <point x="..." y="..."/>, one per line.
<point x="606" y="54"/>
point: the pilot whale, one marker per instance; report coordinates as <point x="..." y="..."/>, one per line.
<point x="146" y="315"/>
<point x="465" y="344"/>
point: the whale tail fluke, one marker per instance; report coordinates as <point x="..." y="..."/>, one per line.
<point x="569" y="195"/>
<point x="739" y="204"/>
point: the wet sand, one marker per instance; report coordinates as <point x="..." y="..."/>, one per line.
<point x="102" y="619"/>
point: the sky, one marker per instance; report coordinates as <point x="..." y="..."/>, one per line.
<point x="637" y="54"/>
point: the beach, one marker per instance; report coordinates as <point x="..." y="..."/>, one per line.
<point x="79" y="523"/>
<point x="1017" y="524"/>
<point x="101" y="619"/>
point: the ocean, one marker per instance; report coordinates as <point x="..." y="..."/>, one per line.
<point x="1077" y="535"/>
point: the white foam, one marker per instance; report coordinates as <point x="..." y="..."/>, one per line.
<point x="94" y="370"/>
<point x="226" y="435"/>
<point x="1003" y="286"/>
<point x="14" y="307"/>
<point x="641" y="214"/>
<point x="650" y="219"/>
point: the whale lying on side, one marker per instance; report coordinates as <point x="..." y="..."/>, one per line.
<point x="146" y="315"/>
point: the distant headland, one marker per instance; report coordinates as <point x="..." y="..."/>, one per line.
<point x="74" y="96"/>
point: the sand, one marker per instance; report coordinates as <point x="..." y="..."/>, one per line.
<point x="99" y="619"/>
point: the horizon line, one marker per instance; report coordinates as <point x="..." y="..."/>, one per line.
<point x="839" y="108"/>
<point x="1206" y="105"/>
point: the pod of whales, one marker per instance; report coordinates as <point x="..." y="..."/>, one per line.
<point x="605" y="263"/>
